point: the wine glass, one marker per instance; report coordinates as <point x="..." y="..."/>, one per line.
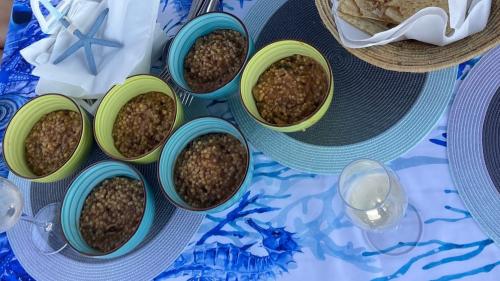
<point x="375" y="201"/>
<point x="45" y="230"/>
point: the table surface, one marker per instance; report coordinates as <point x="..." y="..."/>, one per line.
<point x="302" y="210"/>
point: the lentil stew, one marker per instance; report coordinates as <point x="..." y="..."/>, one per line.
<point x="52" y="141"/>
<point x="143" y="123"/>
<point x="112" y="213"/>
<point x="290" y="90"/>
<point x="210" y="169"/>
<point x="214" y="60"/>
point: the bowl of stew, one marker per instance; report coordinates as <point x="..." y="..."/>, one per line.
<point x="47" y="139"/>
<point x="208" y="54"/>
<point x="287" y="86"/>
<point x="206" y="166"/>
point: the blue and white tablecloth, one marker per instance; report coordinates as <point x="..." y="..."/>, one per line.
<point x="290" y="226"/>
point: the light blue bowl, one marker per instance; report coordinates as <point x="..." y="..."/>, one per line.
<point x="75" y="198"/>
<point x="182" y="43"/>
<point x="179" y="140"/>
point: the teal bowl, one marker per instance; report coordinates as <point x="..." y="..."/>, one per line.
<point x="75" y="197"/>
<point x="176" y="144"/>
<point x="185" y="39"/>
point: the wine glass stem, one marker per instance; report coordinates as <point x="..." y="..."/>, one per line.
<point x="46" y="226"/>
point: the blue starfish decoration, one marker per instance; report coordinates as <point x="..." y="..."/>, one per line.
<point x="86" y="41"/>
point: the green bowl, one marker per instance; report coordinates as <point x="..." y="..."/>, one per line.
<point x="115" y="99"/>
<point x="262" y="60"/>
<point x="21" y="125"/>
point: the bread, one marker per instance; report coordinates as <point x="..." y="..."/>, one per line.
<point x="374" y="16"/>
<point x="369" y="26"/>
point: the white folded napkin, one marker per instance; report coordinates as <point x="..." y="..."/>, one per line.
<point x="130" y="22"/>
<point x="428" y="25"/>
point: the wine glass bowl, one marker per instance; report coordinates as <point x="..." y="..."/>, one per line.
<point x="11" y="205"/>
<point x="375" y="201"/>
<point x="45" y="230"/>
<point x="372" y="194"/>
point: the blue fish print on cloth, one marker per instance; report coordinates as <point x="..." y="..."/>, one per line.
<point x="227" y="261"/>
<point x="464" y="68"/>
<point x="231" y="6"/>
<point x="9" y="104"/>
<point x="463" y="213"/>
<point x="476" y="248"/>
<point x="178" y="11"/>
<point x="440" y="140"/>
<point x="16" y="82"/>
<point x="15" y="72"/>
<point x="290" y="221"/>
<point x="10" y="268"/>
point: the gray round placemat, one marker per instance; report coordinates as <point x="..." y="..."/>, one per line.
<point x="362" y="106"/>
<point x="491" y="139"/>
<point x="375" y="113"/>
<point x="172" y="230"/>
<point x="474" y="141"/>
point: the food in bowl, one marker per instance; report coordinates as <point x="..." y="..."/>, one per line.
<point x="214" y="60"/>
<point x="52" y="141"/>
<point x="143" y="123"/>
<point x="112" y="212"/>
<point x="290" y="90"/>
<point x="210" y="169"/>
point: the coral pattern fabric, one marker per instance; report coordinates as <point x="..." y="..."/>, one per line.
<point x="290" y="225"/>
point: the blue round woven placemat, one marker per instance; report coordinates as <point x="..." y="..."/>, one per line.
<point x="491" y="139"/>
<point x="474" y="143"/>
<point x="172" y="230"/>
<point x="375" y="113"/>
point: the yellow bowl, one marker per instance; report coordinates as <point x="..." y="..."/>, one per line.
<point x="262" y="60"/>
<point x="115" y="99"/>
<point x="22" y="123"/>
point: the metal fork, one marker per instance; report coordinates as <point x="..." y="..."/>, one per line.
<point x="198" y="7"/>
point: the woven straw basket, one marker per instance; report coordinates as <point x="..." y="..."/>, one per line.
<point x="413" y="56"/>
